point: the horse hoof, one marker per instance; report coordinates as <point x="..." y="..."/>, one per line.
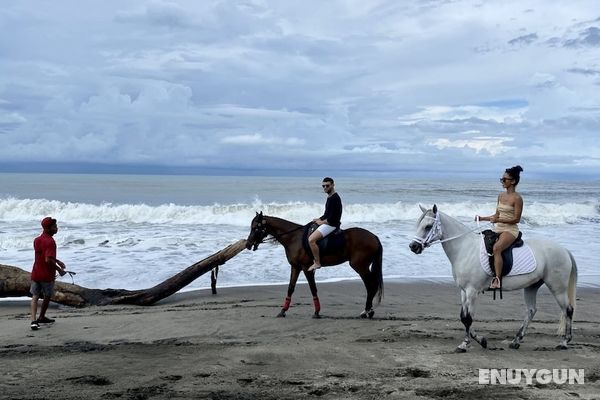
<point x="460" y="350"/>
<point x="367" y="314"/>
<point x="316" y="315"/>
<point x="561" y="347"/>
<point x="514" y="345"/>
<point x="483" y="343"/>
<point x="281" y="314"/>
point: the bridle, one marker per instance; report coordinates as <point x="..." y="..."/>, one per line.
<point x="261" y="230"/>
<point x="435" y="233"/>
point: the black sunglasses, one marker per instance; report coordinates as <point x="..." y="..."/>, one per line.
<point x="505" y="179"/>
<point x="326" y="186"/>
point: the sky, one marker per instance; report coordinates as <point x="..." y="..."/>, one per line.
<point x="357" y="87"/>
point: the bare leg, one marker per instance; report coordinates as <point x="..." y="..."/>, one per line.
<point x="504" y="241"/>
<point x="34" y="303"/>
<point x="45" y="304"/>
<point x="312" y="242"/>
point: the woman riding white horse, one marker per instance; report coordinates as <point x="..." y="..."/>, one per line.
<point x="508" y="214"/>
<point x="556" y="268"/>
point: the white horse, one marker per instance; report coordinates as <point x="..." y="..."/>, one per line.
<point x="555" y="267"/>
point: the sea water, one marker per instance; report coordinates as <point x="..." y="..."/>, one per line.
<point x="134" y="231"/>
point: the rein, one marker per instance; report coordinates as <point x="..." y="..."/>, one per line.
<point x="71" y="273"/>
<point x="436" y="230"/>
<point x="278" y="235"/>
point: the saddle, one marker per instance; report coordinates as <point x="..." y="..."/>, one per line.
<point x="489" y="238"/>
<point x="328" y="244"/>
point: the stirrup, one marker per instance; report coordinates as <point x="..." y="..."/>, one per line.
<point x="493" y="288"/>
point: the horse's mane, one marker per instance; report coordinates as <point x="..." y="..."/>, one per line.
<point x="448" y="217"/>
<point x="421" y="217"/>
<point x="283" y="220"/>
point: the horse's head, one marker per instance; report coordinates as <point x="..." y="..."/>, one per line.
<point x="258" y="231"/>
<point x="429" y="229"/>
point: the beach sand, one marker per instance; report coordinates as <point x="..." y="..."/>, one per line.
<point x="230" y="346"/>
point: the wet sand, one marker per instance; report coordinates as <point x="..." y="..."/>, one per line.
<point x="230" y="346"/>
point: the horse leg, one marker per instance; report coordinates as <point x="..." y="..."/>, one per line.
<point x="310" y="277"/>
<point x="467" y="311"/>
<point x="566" y="299"/>
<point x="295" y="272"/>
<point x="530" y="294"/>
<point x="566" y="320"/>
<point x="371" y="286"/>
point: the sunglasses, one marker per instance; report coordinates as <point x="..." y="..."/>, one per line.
<point x="326" y="186"/>
<point x="505" y="180"/>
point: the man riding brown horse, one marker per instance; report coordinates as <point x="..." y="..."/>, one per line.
<point x="361" y="248"/>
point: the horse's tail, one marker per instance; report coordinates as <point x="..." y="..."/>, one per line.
<point x="571" y="292"/>
<point x="377" y="269"/>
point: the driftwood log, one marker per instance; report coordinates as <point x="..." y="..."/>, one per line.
<point x="15" y="282"/>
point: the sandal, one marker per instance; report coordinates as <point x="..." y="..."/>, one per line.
<point x="495" y="283"/>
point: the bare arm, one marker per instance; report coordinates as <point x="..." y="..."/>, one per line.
<point x="56" y="264"/>
<point x="491" y="218"/>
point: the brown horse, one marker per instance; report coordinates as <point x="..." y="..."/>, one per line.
<point x="361" y="248"/>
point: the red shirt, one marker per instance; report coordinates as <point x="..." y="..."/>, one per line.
<point x="44" y="246"/>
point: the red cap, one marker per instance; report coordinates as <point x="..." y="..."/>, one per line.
<point x="48" y="222"/>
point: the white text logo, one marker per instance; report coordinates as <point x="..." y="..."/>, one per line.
<point x="512" y="376"/>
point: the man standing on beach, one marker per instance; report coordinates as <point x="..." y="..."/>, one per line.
<point x="328" y="223"/>
<point x="44" y="270"/>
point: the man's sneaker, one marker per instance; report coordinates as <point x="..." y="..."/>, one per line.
<point x="45" y="320"/>
<point x="35" y="326"/>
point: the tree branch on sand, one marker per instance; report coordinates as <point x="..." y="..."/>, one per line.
<point x="15" y="282"/>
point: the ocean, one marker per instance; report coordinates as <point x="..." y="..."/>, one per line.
<point x="134" y="231"/>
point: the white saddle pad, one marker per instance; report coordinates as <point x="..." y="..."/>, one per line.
<point x="523" y="260"/>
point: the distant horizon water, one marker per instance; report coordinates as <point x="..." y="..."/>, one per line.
<point x="74" y="168"/>
<point x="134" y="231"/>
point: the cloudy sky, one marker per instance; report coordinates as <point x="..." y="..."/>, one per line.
<point x="357" y="86"/>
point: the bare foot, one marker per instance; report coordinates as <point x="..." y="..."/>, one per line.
<point x="495" y="283"/>
<point x="314" y="267"/>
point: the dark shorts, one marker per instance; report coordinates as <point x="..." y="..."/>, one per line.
<point x="45" y="288"/>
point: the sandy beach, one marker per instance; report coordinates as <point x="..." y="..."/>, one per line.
<point x="196" y="345"/>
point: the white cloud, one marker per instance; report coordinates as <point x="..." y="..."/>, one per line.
<point x="11" y="118"/>
<point x="258" y="139"/>
<point x="493" y="146"/>
<point x="457" y="113"/>
<point x="198" y="83"/>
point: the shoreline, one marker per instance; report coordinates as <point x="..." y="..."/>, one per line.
<point x="583" y="282"/>
<point x="231" y="346"/>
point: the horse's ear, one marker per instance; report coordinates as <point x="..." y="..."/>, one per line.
<point x="435" y="209"/>
<point x="261" y="214"/>
<point x="422" y="208"/>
